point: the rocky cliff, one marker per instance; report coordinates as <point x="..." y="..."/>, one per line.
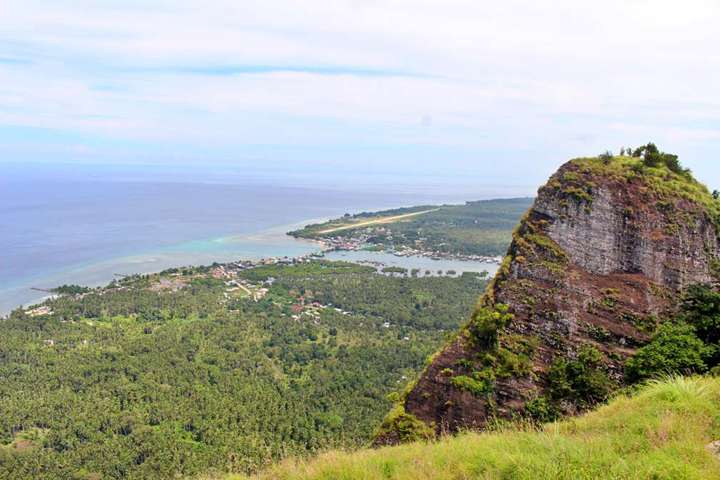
<point x="597" y="262"/>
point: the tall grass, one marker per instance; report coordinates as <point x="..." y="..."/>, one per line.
<point x="660" y="432"/>
<point x="661" y="180"/>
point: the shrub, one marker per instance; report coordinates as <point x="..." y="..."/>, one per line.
<point x="583" y="380"/>
<point x="486" y="323"/>
<point x="541" y="410"/>
<point x="701" y="309"/>
<point x="480" y="384"/>
<point x="675" y="348"/>
<point x="509" y="363"/>
<point x="405" y="427"/>
<point x="672" y="162"/>
<point x="653" y="157"/>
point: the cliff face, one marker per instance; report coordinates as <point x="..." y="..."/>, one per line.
<point x="601" y="256"/>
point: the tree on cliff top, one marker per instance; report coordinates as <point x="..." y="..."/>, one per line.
<point x="653" y="157"/>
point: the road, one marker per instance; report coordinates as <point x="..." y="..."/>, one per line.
<point x="377" y="221"/>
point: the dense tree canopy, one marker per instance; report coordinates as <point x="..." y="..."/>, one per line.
<point x="139" y="381"/>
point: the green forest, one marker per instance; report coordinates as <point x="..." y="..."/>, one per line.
<point x="212" y="369"/>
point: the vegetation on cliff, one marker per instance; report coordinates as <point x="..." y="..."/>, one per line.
<point x="660" y="172"/>
<point x="688" y="343"/>
<point x="662" y="432"/>
<point x="556" y="331"/>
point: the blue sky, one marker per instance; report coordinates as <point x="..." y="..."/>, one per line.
<point x="479" y="92"/>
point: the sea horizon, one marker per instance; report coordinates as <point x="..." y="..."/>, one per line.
<point x="85" y="228"/>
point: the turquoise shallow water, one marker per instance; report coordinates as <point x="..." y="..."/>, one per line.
<point x="269" y="243"/>
<point x="85" y="231"/>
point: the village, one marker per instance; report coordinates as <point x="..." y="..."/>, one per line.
<point x="237" y="287"/>
<point x="173" y="280"/>
<point x="368" y="239"/>
<point x="301" y="309"/>
<point x="310" y="309"/>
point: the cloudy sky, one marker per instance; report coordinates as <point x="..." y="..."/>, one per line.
<point x="479" y="90"/>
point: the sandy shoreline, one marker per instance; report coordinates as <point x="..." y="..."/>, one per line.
<point x="272" y="242"/>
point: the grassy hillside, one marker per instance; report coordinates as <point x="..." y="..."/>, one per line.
<point x="661" y="432"/>
<point x="662" y="180"/>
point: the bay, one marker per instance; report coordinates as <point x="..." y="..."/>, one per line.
<point x="86" y="231"/>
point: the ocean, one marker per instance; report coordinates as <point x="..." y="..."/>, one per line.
<point x="88" y="229"/>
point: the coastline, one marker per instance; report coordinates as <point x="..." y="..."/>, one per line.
<point x="100" y="274"/>
<point x="57" y="236"/>
<point x="360" y="244"/>
<point x="271" y="242"/>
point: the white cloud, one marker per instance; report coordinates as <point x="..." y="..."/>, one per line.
<point x="571" y="76"/>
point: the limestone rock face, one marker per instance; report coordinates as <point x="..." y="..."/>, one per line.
<point x="601" y="256"/>
<point x="621" y="233"/>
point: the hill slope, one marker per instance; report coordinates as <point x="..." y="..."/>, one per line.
<point x="659" y="433"/>
<point x="600" y="257"/>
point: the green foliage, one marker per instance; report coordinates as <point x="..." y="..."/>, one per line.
<point x="486" y="323"/>
<point x="598" y="333"/>
<point x="653" y="158"/>
<point x="511" y="357"/>
<point x="583" y="380"/>
<point x="576" y="186"/>
<point x="548" y="245"/>
<point x="715" y="267"/>
<point x="610" y="298"/>
<point x="541" y="410"/>
<point x="534" y="247"/>
<point x="133" y="381"/>
<point x="660" y="432"/>
<point x="663" y="182"/>
<point x="579" y="194"/>
<point x="674" y="348"/>
<point x="70" y="290"/>
<point x="509" y="363"/>
<point x="701" y="309"/>
<point x="404" y="427"/>
<point x="430" y="303"/>
<point x="398" y="270"/>
<point x="317" y="268"/>
<point x="479" y="384"/>
<point x="691" y="344"/>
<point x="607" y="156"/>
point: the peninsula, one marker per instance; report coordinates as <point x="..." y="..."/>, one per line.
<point x="474" y="231"/>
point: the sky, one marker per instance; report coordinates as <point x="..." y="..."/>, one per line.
<point x="472" y="91"/>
